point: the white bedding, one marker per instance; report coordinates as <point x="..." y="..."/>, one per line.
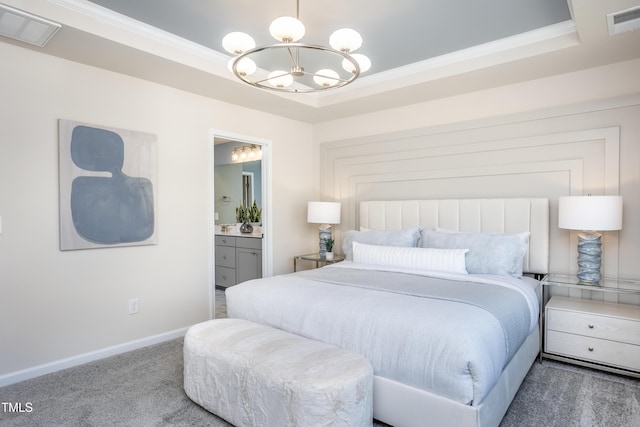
<point x="456" y="350"/>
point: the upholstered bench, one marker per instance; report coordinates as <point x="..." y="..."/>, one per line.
<point x="255" y="375"/>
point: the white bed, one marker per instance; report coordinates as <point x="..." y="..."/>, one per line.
<point x="317" y="305"/>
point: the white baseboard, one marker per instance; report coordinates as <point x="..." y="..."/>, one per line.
<point x="58" y="365"/>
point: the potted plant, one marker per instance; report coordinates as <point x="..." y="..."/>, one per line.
<point x="242" y="216"/>
<point x="329" y="254"/>
<point x="255" y="214"/>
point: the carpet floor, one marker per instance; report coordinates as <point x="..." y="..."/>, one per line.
<point x="144" y="388"/>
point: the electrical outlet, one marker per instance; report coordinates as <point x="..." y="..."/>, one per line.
<point x="134" y="306"/>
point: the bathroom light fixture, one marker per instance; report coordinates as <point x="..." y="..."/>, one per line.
<point x="281" y="66"/>
<point x="246" y="154"/>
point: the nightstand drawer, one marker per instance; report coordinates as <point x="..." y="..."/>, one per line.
<point x="593" y="349"/>
<point x="225" y="276"/>
<point x="226" y="256"/>
<point x="592" y="325"/>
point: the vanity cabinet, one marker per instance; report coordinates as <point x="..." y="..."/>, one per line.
<point x="248" y="258"/>
<point x="225" y="261"/>
<point x="238" y="259"/>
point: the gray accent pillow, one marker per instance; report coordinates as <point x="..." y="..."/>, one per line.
<point x="489" y="253"/>
<point x="406" y="238"/>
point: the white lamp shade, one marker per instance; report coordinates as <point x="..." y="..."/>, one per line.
<point x="597" y="213"/>
<point x="323" y="212"/>
<point x="326" y="78"/>
<point x="286" y="29"/>
<point x="363" y="62"/>
<point x="345" y="39"/>
<point x="238" y="42"/>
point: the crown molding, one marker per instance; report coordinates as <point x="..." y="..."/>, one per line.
<point x="535" y="42"/>
<point x="124" y="23"/>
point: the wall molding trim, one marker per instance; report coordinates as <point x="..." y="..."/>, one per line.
<point x="560" y="152"/>
<point x="81" y="359"/>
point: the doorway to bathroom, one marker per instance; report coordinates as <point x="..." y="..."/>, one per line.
<point x="240" y="180"/>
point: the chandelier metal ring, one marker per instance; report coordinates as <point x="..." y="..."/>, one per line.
<point x="296" y="69"/>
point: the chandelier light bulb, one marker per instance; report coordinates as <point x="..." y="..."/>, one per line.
<point x="326" y="78"/>
<point x="287" y="29"/>
<point x="243" y="155"/>
<point x="238" y="42"/>
<point x="280" y="78"/>
<point x="345" y="40"/>
<point x="246" y="66"/>
<point x="363" y="62"/>
<point x="234" y="156"/>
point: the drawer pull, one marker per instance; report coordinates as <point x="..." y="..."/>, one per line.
<point x="224" y="257"/>
<point x="590" y="326"/>
<point x="224" y="277"/>
<point x="590" y="348"/>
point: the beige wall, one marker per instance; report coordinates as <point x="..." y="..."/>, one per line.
<point x="56" y="305"/>
<point x="537" y="95"/>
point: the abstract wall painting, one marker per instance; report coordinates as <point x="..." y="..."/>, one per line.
<point x="108" y="187"/>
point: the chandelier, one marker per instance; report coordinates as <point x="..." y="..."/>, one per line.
<point x="281" y="66"/>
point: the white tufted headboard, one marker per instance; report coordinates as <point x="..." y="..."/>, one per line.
<point x="471" y="215"/>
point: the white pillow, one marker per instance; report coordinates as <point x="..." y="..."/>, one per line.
<point x="489" y="253"/>
<point x="406" y="238"/>
<point x="448" y="260"/>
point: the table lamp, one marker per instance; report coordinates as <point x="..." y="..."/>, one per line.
<point x="325" y="214"/>
<point x="590" y="214"/>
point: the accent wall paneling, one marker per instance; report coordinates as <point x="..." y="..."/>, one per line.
<point x="513" y="157"/>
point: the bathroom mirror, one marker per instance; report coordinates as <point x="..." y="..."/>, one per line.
<point x="236" y="182"/>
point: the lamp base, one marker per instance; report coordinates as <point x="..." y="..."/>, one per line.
<point x="589" y="257"/>
<point x="324" y="232"/>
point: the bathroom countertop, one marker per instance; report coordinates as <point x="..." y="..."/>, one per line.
<point x="236" y="233"/>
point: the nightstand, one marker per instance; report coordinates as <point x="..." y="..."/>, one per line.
<point x="319" y="260"/>
<point x="598" y="334"/>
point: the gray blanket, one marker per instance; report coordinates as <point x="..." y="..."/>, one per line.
<point x="505" y="304"/>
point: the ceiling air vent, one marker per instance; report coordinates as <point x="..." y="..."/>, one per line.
<point x="25" y="27"/>
<point x="625" y="20"/>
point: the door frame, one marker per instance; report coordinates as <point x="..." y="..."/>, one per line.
<point x="267" y="222"/>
